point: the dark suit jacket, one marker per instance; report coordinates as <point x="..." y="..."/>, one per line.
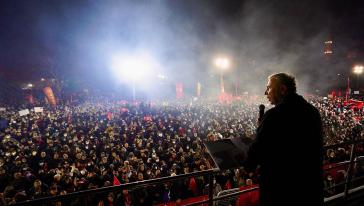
<point x="288" y="148"/>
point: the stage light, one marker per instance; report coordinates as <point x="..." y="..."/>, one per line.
<point x="222" y="63"/>
<point x="161" y="76"/>
<point x="134" y="69"/>
<point x="358" y="69"/>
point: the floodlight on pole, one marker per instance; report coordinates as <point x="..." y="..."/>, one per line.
<point x="132" y="68"/>
<point x="222" y="63"/>
<point x="358" y="69"/>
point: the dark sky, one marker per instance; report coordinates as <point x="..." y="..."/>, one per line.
<point x="75" y="39"/>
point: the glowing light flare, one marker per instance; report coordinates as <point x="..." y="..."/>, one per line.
<point x="161" y="76"/>
<point x="30" y="85"/>
<point x="222" y="63"/>
<point x="134" y="68"/>
<point x="358" y="69"/>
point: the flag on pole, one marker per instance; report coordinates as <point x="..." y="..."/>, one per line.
<point x="50" y="95"/>
<point x="179" y="90"/>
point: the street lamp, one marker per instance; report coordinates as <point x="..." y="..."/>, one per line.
<point x="358" y="69"/>
<point x="222" y="63"/>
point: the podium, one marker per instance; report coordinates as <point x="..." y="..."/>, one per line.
<point x="228" y="153"/>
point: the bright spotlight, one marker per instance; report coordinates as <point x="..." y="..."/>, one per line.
<point x="134" y="68"/>
<point x="222" y="63"/>
<point x="30" y="85"/>
<point x="358" y="69"/>
<point x="161" y="76"/>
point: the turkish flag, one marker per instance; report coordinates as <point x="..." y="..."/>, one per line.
<point x="116" y="181"/>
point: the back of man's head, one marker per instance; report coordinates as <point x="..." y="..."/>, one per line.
<point x="286" y="80"/>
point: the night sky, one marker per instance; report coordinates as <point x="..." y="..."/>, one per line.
<point x="70" y="39"/>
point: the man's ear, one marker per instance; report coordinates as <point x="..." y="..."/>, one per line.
<point x="283" y="89"/>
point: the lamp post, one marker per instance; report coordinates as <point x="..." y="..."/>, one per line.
<point x="222" y="63"/>
<point x="358" y="69"/>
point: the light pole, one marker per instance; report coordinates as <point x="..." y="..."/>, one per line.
<point x="358" y="69"/>
<point x="222" y="63"/>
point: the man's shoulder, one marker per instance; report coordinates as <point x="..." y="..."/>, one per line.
<point x="271" y="113"/>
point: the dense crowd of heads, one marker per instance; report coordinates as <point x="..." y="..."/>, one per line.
<point x="71" y="148"/>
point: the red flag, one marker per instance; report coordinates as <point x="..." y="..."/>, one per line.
<point x="116" y="182"/>
<point x="50" y="95"/>
<point x="179" y="90"/>
<point x="227" y="185"/>
<point x="192" y="186"/>
<point x="109" y="115"/>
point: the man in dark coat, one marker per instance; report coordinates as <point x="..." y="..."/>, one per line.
<point x="288" y="148"/>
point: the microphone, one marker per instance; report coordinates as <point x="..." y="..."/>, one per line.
<point x="261" y="112"/>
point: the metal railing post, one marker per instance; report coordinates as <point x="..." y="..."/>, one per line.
<point x="211" y="189"/>
<point x="349" y="172"/>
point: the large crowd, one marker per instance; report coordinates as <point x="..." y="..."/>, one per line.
<point x="70" y="148"/>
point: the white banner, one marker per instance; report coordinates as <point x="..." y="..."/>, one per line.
<point x="2" y="109"/>
<point x="24" y="112"/>
<point x="38" y="109"/>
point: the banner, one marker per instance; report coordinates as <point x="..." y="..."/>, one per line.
<point x="24" y="112"/>
<point x="248" y="198"/>
<point x="30" y="99"/>
<point x="179" y="90"/>
<point x="49" y="95"/>
<point x="38" y="109"/>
